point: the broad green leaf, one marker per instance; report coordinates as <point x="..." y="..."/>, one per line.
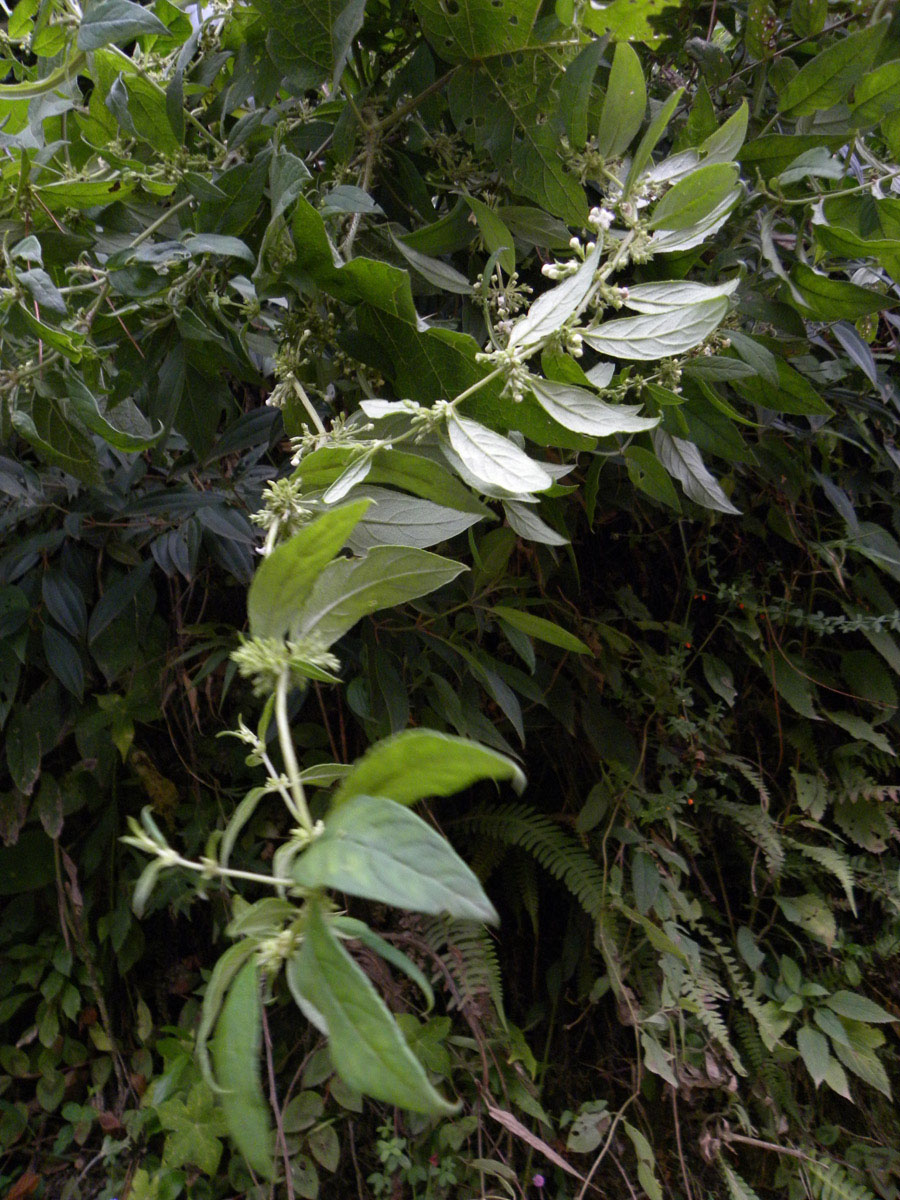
<point x="107" y="21"/>
<point x="285" y="579"/>
<point x="235" y="1054"/>
<point x="419" y="763"/>
<point x="220" y="244"/>
<point x="492" y="460"/>
<point x="57" y="440"/>
<point x="506" y="107"/>
<point x="541" y="628"/>
<point x="380" y="850"/>
<point x="695" y="197"/>
<point x="828" y="78"/>
<point x="682" y="460"/>
<point x="660" y="335"/>
<point x="468" y="29"/>
<point x="624" y="104"/>
<point x="649" y="298"/>
<point x="625" y="20"/>
<point x="398" y="520"/>
<point x="859" y="1008"/>
<point x="812" y="914"/>
<point x="351" y="588"/>
<point x="866" y="1066"/>
<point x="496" y="236"/>
<point x="84" y="193"/>
<point x="836" y="299"/>
<point x="813" y="1047"/>
<point x="794" y="394"/>
<point x="583" y="411"/>
<point x="366" y="1047"/>
<point x="877" y="94"/>
<point x="311" y="39"/>
<point x="43" y="290"/>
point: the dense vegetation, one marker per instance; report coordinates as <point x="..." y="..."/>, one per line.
<point x="449" y="595"/>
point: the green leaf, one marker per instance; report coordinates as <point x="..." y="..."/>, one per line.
<point x="724" y="143"/>
<point x="624" y="104"/>
<point x="859" y="1008"/>
<point x="124" y="427"/>
<point x="419" y="763"/>
<point x="576" y="91"/>
<point x="220" y="244"/>
<point x="107" y="21"/>
<point x="361" y="932"/>
<point x="553" y="308"/>
<point x="674" y="294"/>
<point x="695" y="197"/>
<point x="647" y="473"/>
<point x="541" y="628"/>
<point x="366" y="1047"/>
<point x="582" y="411"/>
<point x="659" y="335"/>
<point x="285" y="579"/>
<point x="490" y="460"/>
<point x="235" y="1055"/>
<point x="411" y="472"/>
<point x="877" y="95"/>
<point x="813" y="1047"/>
<point x="827" y="79"/>
<point x="397" y="520"/>
<point x="310" y="40"/>
<point x="477" y="28"/>
<point x="351" y="588"/>
<point x="380" y="850"/>
<point x="496" y="236"/>
<point x="794" y="393"/>
<point x="812" y="914"/>
<point x="683" y="461"/>
<point x="647" y="144"/>
<point x="836" y="299"/>
<point x="627" y="20"/>
<point x="441" y="274"/>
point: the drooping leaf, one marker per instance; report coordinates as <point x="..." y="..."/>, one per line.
<point x="682" y="460"/>
<point x="378" y="849"/>
<point x="235" y="1054"/>
<point x="365" y="1044"/>
<point x="419" y="763"/>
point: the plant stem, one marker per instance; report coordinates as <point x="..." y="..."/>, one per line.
<point x="292" y="767"/>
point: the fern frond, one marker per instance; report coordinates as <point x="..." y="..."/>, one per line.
<point x="751" y="774"/>
<point x="556" y="850"/>
<point x="468" y="955"/>
<point x="738" y="1187"/>
<point x="833" y="860"/>
<point x="698" y="998"/>
<point x="759" y="828"/>
<point x="828" y="1180"/>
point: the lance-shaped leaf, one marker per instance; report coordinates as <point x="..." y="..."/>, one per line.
<point x="235" y="1054"/>
<point x="671" y="294"/>
<point x="366" y="1046"/>
<point x="659" y="335"/>
<point x="422" y="762"/>
<point x="624" y="104"/>
<point x="352" y="588"/>
<point x="380" y="850"/>
<point x="682" y="460"/>
<point x="580" y="410"/>
<point x="398" y="520"/>
<point x="284" y="579"/>
<point x="552" y="309"/>
<point x="827" y="79"/>
<point x="492" y="459"/>
<point x="695" y="197"/>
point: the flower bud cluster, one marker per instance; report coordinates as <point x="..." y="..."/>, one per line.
<point x="282" y="500"/>
<point x="514" y="369"/>
<point x="264" y="660"/>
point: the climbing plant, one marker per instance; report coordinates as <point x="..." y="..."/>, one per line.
<point x="529" y="368"/>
